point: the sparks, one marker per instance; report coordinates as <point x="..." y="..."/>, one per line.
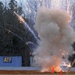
<point x="19" y="17"/>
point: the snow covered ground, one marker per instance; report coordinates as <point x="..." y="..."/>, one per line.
<point x="19" y="68"/>
<point x="30" y="68"/>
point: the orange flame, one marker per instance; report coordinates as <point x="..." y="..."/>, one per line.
<point x="52" y="69"/>
<point x="61" y="72"/>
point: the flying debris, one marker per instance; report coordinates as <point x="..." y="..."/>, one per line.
<point x="26" y="25"/>
<point x="19" y="17"/>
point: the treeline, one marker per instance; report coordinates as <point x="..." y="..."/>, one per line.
<point x="13" y="35"/>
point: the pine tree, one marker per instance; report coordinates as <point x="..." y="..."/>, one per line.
<point x="13" y="34"/>
<point x="1" y="26"/>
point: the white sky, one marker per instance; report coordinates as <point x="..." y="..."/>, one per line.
<point x="55" y="3"/>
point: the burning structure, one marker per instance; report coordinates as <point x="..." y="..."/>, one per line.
<point x="56" y="38"/>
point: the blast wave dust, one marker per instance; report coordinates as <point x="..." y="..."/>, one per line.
<point x="56" y="38"/>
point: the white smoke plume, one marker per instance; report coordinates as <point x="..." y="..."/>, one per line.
<point x="56" y="37"/>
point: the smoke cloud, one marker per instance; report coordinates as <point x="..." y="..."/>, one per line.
<point x="56" y="38"/>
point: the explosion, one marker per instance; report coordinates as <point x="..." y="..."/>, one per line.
<point x="56" y="38"/>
